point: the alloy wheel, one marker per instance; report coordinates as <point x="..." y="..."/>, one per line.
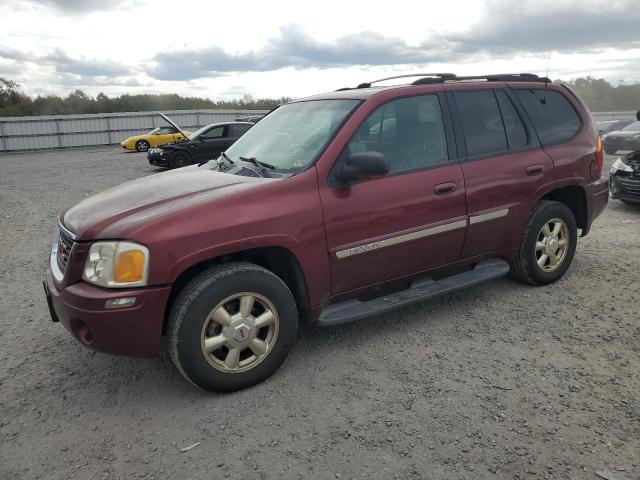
<point x="552" y="244"/>
<point x="239" y="332"/>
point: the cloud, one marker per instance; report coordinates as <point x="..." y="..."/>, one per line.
<point x="505" y="29"/>
<point x="73" y="7"/>
<point x="542" y="26"/>
<point x="63" y="63"/>
<point x="295" y="48"/>
<point x="70" y="80"/>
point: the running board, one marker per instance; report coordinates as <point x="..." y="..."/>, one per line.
<point x="419" y="291"/>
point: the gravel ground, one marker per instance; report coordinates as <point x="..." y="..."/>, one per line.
<point x="499" y="381"/>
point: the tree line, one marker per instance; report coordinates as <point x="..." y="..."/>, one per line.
<point x="14" y="103"/>
<point x="598" y="94"/>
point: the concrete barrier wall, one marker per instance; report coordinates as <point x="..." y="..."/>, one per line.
<point x="629" y="115"/>
<point x="63" y="131"/>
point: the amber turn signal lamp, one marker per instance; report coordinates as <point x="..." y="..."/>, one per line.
<point x="129" y="267"/>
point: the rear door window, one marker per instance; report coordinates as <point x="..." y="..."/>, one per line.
<point x="516" y="133"/>
<point x="239" y="130"/>
<point x="484" y="131"/>
<point x="552" y="115"/>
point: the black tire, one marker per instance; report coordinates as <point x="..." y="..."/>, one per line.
<point x="179" y="160"/>
<point x="524" y="267"/>
<point x="610" y="151"/>
<point x="142" y="145"/>
<point x="193" y="306"/>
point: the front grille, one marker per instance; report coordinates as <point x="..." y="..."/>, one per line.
<point x="65" y="245"/>
<point x="630" y="185"/>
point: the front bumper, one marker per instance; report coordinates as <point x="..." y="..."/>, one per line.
<point x="132" y="331"/>
<point x="625" y="186"/>
<point x="157" y="159"/>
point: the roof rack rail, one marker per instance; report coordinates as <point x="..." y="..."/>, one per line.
<point x="429" y="78"/>
<point x="437" y="75"/>
<point x="500" y="77"/>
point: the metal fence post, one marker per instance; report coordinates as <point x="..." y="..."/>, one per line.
<point x="109" y="129"/>
<point x="4" y="140"/>
<point x="198" y="118"/>
<point x="58" y="133"/>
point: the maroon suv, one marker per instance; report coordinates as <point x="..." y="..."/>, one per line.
<point x="330" y="209"/>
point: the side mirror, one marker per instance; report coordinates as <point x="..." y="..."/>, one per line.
<point x="361" y="165"/>
<point x="638" y="115"/>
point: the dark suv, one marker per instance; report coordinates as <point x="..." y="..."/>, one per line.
<point x="330" y="209"/>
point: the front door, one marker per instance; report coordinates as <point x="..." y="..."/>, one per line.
<point x="212" y="143"/>
<point x="412" y="219"/>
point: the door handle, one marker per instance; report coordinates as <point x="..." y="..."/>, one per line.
<point x="444" y="188"/>
<point x="535" y="169"/>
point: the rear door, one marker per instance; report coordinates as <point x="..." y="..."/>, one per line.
<point x="408" y="221"/>
<point x="237" y="130"/>
<point x="503" y="167"/>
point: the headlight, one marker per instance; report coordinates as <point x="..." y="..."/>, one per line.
<point x="620" y="165"/>
<point x="156" y="150"/>
<point x="117" y="264"/>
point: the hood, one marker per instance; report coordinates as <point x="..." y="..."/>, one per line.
<point x="111" y="213"/>
<point x="623" y="134"/>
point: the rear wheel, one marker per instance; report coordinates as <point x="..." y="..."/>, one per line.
<point x="142" y="145"/>
<point x="232" y="327"/>
<point x="179" y="160"/>
<point x="548" y="245"/>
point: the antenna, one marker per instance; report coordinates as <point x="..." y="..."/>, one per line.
<point x="546" y="81"/>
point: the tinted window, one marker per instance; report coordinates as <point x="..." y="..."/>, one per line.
<point x="516" y="133"/>
<point x="239" y="130"/>
<point x="408" y="131"/>
<point x="552" y="115"/>
<point x="215" y="132"/>
<point x="481" y="122"/>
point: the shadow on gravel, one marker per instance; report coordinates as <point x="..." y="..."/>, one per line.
<point x="156" y="381"/>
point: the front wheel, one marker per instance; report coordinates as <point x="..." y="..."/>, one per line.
<point x="179" y="160"/>
<point x="548" y="245"/>
<point x="232" y="327"/>
<point x="142" y="145"/>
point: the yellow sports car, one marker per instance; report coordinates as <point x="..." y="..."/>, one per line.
<point x="157" y="136"/>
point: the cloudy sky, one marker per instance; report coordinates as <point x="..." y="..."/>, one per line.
<point x="296" y="48"/>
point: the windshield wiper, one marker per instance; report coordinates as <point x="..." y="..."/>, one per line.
<point x="258" y="163"/>
<point x="222" y="154"/>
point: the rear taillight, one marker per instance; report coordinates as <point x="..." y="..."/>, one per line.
<point x="598" y="164"/>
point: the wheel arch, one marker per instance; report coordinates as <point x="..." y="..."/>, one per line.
<point x="574" y="197"/>
<point x="279" y="260"/>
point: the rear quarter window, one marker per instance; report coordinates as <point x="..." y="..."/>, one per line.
<point x="551" y="113"/>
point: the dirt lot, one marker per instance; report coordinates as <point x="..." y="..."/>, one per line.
<point x="500" y="381"/>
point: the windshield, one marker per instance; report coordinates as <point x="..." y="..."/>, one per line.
<point x="198" y="132"/>
<point x="292" y="136"/>
<point x="154" y="131"/>
<point x="634" y="127"/>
